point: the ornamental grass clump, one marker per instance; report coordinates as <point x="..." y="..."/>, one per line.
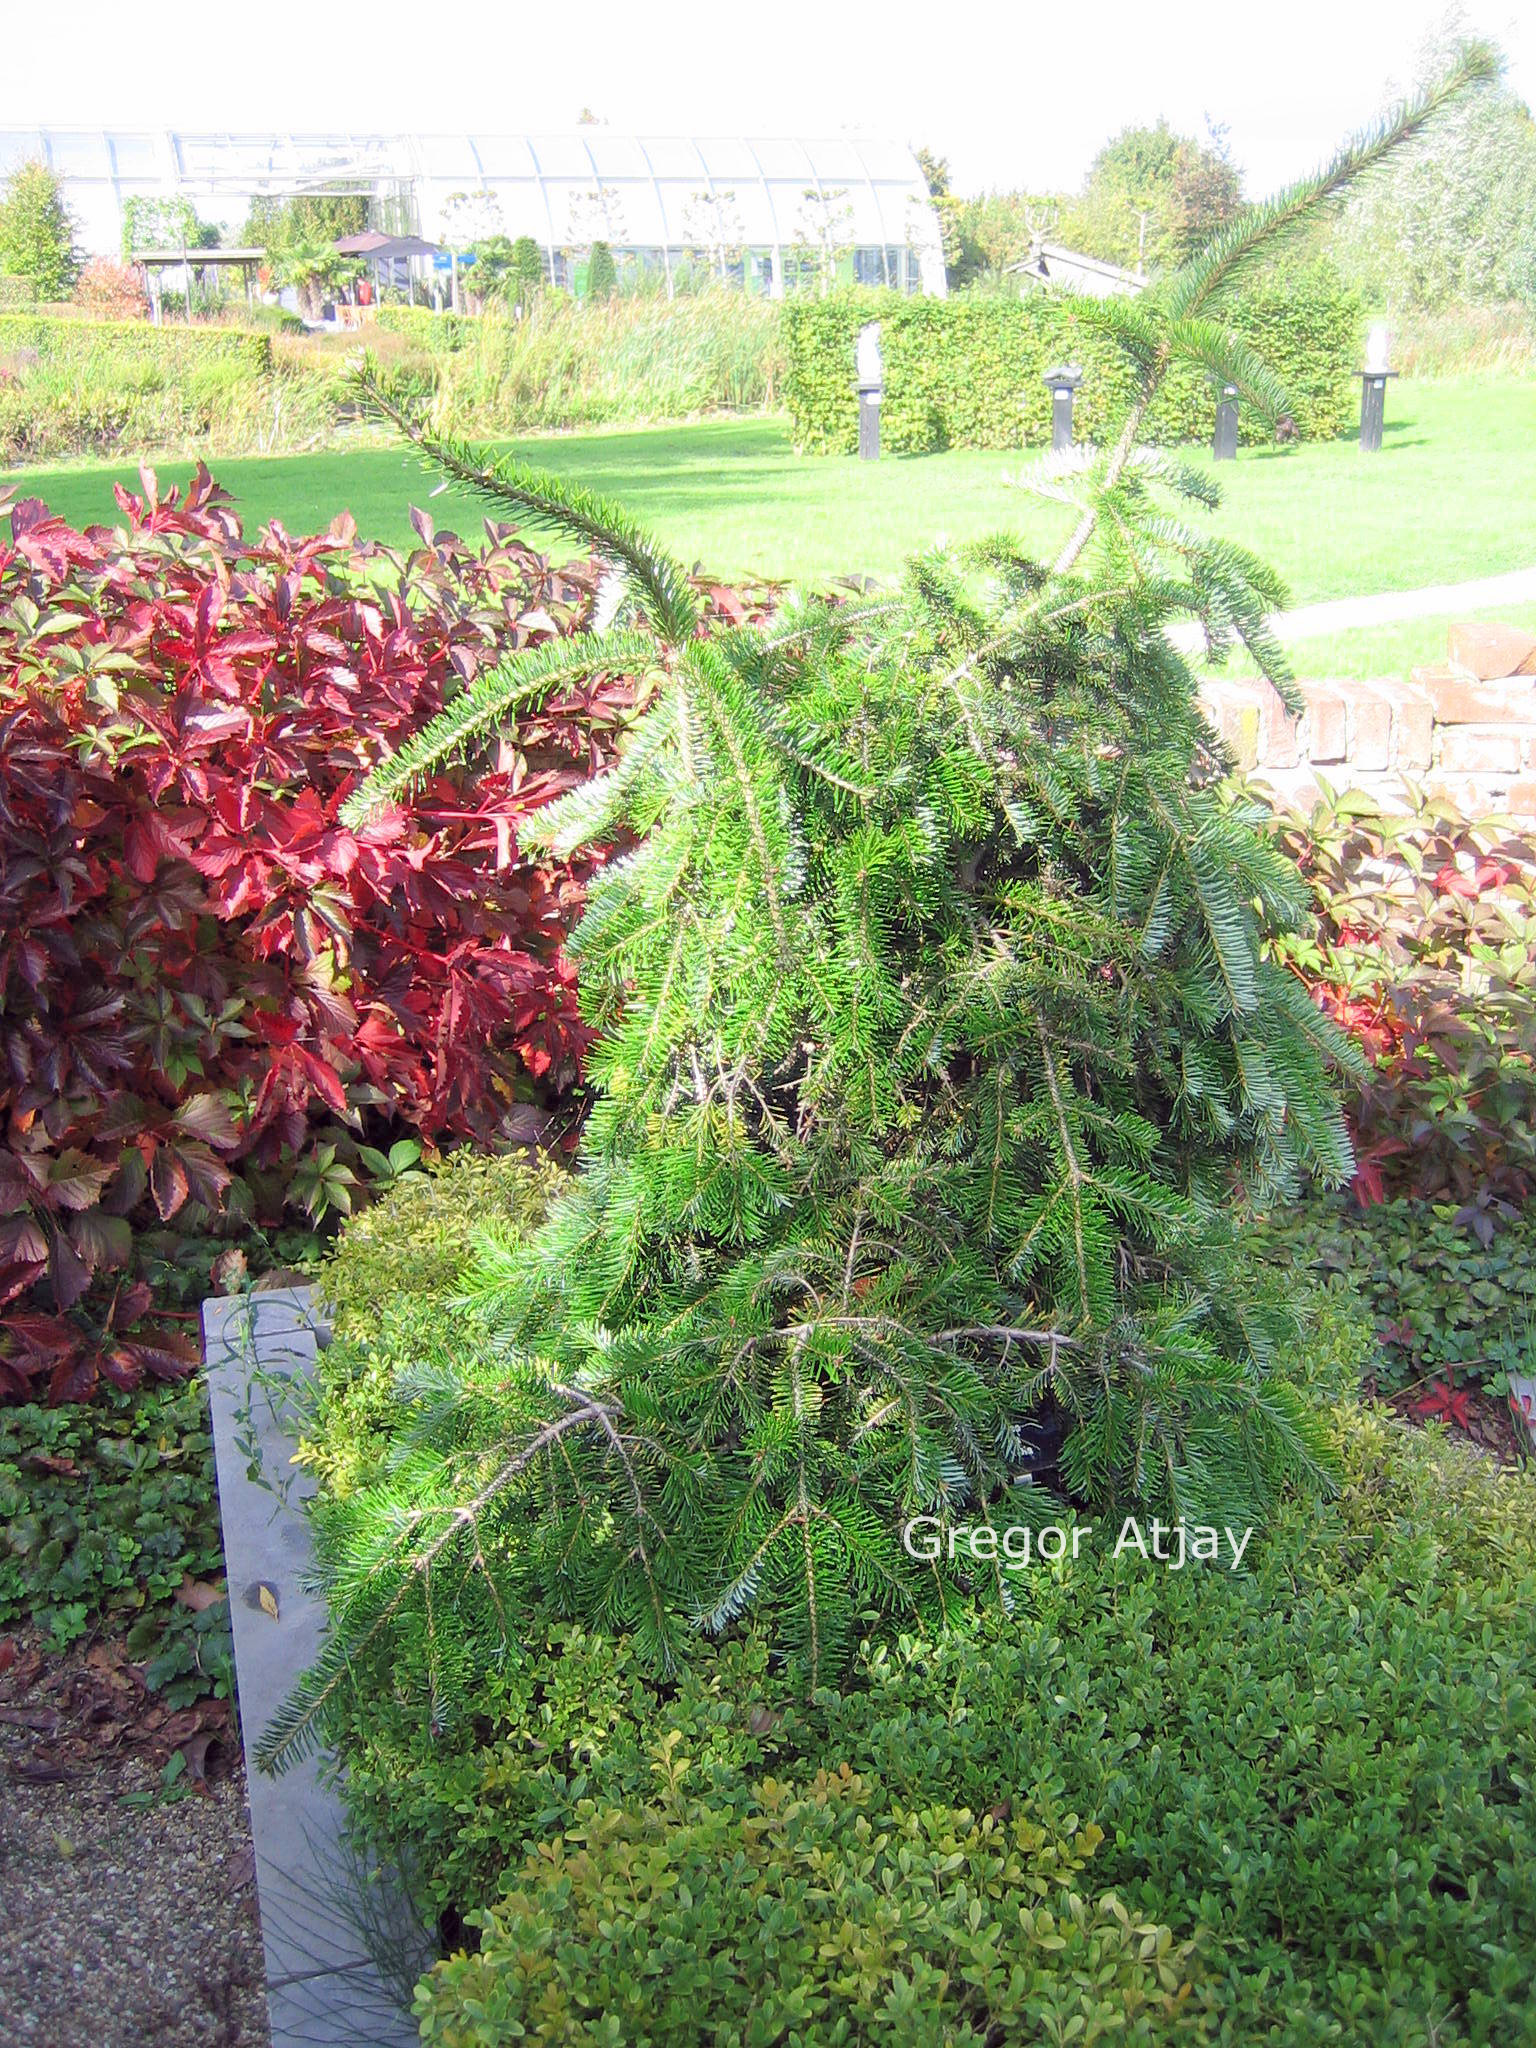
<point x="934" y="1030"/>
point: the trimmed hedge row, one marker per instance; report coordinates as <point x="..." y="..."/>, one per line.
<point x="93" y="344"/>
<point x="436" y="331"/>
<point x="967" y="372"/>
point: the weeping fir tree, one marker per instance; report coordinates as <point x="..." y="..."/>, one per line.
<point x="935" y="1030"/>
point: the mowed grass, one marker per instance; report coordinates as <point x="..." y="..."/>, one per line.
<point x="1451" y="496"/>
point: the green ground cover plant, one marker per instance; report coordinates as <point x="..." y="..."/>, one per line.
<point x="1320" y="1829"/>
<point x="110" y="1518"/>
<point x="1445" y="1306"/>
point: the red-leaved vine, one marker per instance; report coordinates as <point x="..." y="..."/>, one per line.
<point x="1424" y="948"/>
<point x="213" y="997"/>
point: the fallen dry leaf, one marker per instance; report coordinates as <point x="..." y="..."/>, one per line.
<point x="268" y="1599"/>
<point x="199" y="1594"/>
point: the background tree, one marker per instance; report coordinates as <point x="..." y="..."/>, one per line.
<point x="1456" y="222"/>
<point x="315" y="270"/>
<point x="275" y="224"/>
<point x="493" y="279"/>
<point x="111" y="291"/>
<point x="712" y="229"/>
<point x="170" y="223"/>
<point x="602" y="277"/>
<point x="528" y="273"/>
<point x="37" y="232"/>
<point x="946" y="204"/>
<point x="823" y="234"/>
<point x="1152" y="197"/>
<point x="593" y="216"/>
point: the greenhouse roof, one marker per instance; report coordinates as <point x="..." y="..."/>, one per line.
<point x="563" y="189"/>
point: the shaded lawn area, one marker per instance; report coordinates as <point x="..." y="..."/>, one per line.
<point x="1449" y="497"/>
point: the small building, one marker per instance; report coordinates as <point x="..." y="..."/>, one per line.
<point x="1069" y="270"/>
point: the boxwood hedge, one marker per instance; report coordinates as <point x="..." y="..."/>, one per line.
<point x="1289" y="1805"/>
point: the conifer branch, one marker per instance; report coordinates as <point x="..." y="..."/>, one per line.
<point x="661" y="584"/>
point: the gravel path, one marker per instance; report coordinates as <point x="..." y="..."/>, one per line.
<point x="120" y="1926"/>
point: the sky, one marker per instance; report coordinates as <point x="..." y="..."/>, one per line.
<point x="1014" y="93"/>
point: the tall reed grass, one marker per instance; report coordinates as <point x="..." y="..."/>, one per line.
<point x="1466" y="340"/>
<point x="625" y="360"/>
<point x="121" y="390"/>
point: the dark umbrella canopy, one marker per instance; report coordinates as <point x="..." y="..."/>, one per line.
<point x="384" y="248"/>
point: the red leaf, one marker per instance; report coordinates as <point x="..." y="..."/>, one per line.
<point x="167" y="1182"/>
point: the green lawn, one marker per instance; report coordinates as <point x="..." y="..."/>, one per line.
<point x="1449" y="497"/>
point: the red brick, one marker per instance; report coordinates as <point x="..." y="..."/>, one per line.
<point x="1491" y="651"/>
<point x="1280" y="737"/>
<point x="1478" y="749"/>
<point x="1370" y="728"/>
<point x="1521" y="801"/>
<point x="1473" y="796"/>
<point x="1325" y="735"/>
<point x="1413" y="729"/>
<point x="1461" y="700"/>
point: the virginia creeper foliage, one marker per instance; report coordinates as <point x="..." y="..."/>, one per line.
<point x="213" y="994"/>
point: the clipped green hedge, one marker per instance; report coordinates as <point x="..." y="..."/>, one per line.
<point x="97" y="344"/>
<point x="436" y="331"/>
<point x="967" y="372"/>
<point x="1317" y="1769"/>
<point x="809" y="1913"/>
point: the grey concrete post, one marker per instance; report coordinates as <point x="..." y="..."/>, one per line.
<point x="1224" y="442"/>
<point x="870" y="378"/>
<point x="1373" y="408"/>
<point x="1062" y="382"/>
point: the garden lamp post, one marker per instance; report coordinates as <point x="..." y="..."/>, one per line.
<point x="1062" y="382"/>
<point x="869" y="365"/>
<point x="1224" y="441"/>
<point x="1373" y="391"/>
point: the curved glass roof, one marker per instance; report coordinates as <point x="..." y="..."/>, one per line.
<point x="637" y="192"/>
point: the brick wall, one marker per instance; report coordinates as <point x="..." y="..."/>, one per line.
<point x="1463" y="731"/>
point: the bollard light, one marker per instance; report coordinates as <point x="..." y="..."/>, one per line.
<point x="1373" y="391"/>
<point x="1062" y="383"/>
<point x="1224" y="441"/>
<point x="869" y="367"/>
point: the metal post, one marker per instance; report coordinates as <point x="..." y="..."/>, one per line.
<point x="870" y="381"/>
<point x="1062" y="383"/>
<point x="1224" y="442"/>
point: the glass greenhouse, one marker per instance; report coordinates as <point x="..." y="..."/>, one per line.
<point x="768" y="213"/>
